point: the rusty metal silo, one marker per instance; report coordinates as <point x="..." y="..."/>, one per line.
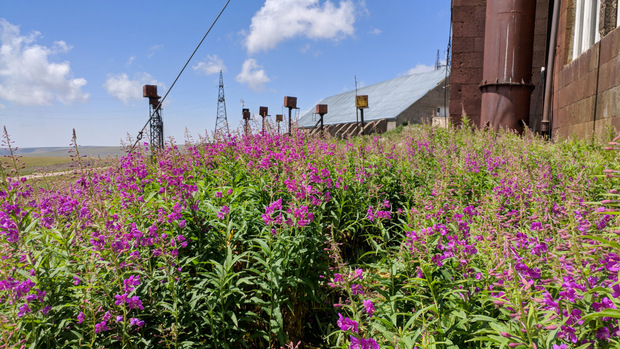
<point x="507" y="70"/>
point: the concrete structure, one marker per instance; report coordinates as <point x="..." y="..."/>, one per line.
<point x="585" y="91"/>
<point x="407" y="99"/>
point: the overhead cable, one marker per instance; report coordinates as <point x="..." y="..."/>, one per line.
<point x="177" y="78"/>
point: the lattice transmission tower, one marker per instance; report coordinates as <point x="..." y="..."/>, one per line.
<point x="156" y="121"/>
<point x="221" y="124"/>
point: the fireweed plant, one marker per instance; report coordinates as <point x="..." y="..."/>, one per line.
<point x="420" y="238"/>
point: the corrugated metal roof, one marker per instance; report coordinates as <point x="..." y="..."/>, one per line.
<point x="386" y="99"/>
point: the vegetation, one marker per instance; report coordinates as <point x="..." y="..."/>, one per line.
<point x="421" y="238"/>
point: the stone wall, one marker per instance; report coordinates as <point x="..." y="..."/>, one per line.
<point x="468" y="24"/>
<point x="421" y="112"/>
<point x="468" y="18"/>
<point x="587" y="89"/>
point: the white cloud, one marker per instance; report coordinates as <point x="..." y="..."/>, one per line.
<point x="252" y="75"/>
<point x="130" y="61"/>
<point x="27" y="77"/>
<point x="375" y="31"/>
<point x="311" y="50"/>
<point x="420" y="68"/>
<point x="212" y="65"/>
<point x="279" y="20"/>
<point x="153" y="49"/>
<point x="126" y="89"/>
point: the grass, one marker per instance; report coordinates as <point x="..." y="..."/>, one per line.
<point x="29" y="165"/>
<point x="45" y="164"/>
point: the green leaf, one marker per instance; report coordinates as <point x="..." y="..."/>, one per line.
<point x="613" y="313"/>
<point x="483" y="318"/>
<point x="601" y="240"/>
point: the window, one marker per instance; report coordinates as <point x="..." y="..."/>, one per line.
<point x="587" y="17"/>
<point x="441" y="111"/>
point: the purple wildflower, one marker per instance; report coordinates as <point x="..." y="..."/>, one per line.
<point x="616" y="289"/>
<point x="384" y="214"/>
<point x="121" y="299"/>
<point x="369" y="306"/>
<point x="569" y="333"/>
<point x="80" y="317"/>
<point x="371" y="215"/>
<point x="46" y="310"/>
<point x="602" y="334"/>
<point x="361" y="343"/>
<point x="356" y="289"/>
<point x="605" y="303"/>
<point x="346" y="324"/>
<point x="223" y="212"/>
<point x="101" y="327"/>
<point x="136" y="322"/>
<point x="135" y="302"/>
<point x="130" y="282"/>
<point x="23" y="310"/>
<point x="41" y="295"/>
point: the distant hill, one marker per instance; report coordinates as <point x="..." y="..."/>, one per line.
<point x="66" y="151"/>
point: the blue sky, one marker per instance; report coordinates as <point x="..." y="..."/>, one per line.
<point x="81" y="64"/>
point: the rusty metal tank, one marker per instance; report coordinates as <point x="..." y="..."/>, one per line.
<point x="507" y="69"/>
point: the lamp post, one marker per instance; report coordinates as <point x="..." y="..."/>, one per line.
<point x="246" y="117"/>
<point x="290" y="103"/>
<point x="263" y="111"/>
<point x="361" y="103"/>
<point x="321" y="109"/>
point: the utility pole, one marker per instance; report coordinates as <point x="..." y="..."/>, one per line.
<point x="357" y="115"/>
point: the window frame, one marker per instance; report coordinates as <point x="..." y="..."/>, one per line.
<point x="587" y="19"/>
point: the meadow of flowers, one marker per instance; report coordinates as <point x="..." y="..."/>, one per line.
<point x="422" y="238"/>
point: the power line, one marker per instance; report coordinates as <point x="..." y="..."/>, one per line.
<point x="156" y="109"/>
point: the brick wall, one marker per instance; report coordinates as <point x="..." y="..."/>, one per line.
<point x="468" y="19"/>
<point x="586" y="89"/>
<point x="608" y="101"/>
<point x="468" y="24"/>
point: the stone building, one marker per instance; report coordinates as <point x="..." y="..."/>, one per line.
<point x="580" y="96"/>
<point x="410" y="99"/>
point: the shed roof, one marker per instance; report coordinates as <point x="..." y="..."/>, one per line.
<point x="386" y="100"/>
